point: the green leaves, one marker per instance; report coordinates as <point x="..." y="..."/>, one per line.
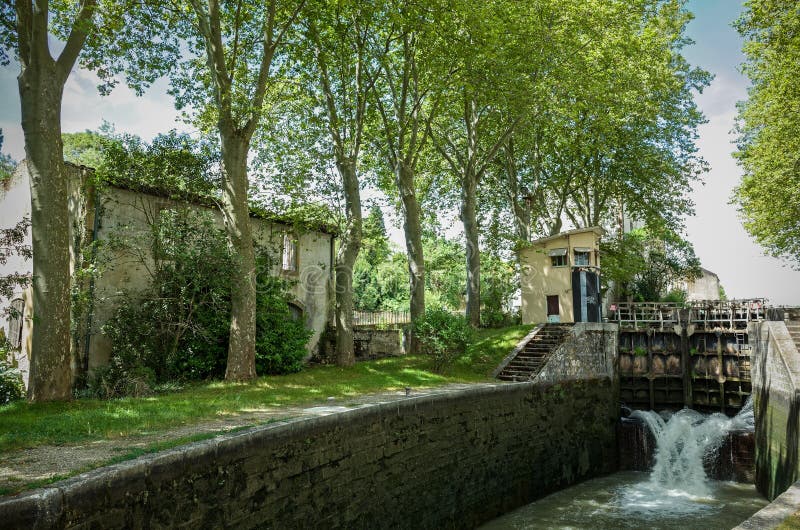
<point x="444" y="336"/>
<point x="769" y="127"/>
<point x="172" y="164"/>
<point x="646" y="263"/>
<point x="7" y="164"/>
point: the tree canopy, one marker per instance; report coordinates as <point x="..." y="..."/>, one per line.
<point x="768" y="196"/>
<point x="523" y="117"/>
<point x="648" y="265"/>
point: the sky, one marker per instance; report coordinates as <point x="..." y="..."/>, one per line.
<point x="715" y="230"/>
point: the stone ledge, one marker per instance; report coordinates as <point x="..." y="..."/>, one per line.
<point x="469" y="434"/>
<point x="772" y="515"/>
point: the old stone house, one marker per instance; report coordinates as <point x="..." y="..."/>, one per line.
<point x="303" y="254"/>
<point x="560" y="277"/>
<point x="704" y="287"/>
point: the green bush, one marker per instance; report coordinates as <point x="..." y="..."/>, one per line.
<point x="443" y="335"/>
<point x="178" y="328"/>
<point x="11" y="386"/>
<point x="280" y="339"/>
<point x="498" y="284"/>
<point x="677" y="296"/>
<point x="118" y="379"/>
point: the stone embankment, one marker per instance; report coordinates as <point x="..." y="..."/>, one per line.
<point x="452" y="459"/>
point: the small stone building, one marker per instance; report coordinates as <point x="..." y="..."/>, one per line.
<point x="304" y="255"/>
<point x="705" y="287"/>
<point x="560" y="277"/>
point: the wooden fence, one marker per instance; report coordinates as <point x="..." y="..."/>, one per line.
<point x="381" y="318"/>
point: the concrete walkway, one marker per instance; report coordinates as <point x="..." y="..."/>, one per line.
<point x="48" y="462"/>
<point x="777" y="512"/>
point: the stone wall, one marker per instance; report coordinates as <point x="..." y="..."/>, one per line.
<point x="781" y="513"/>
<point x="450" y="460"/>
<point x="776" y="397"/>
<point x="126" y="217"/>
<point x="368" y="343"/>
<point x="589" y="352"/>
<point x="378" y="343"/>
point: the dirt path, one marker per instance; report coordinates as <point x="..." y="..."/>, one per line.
<point x="42" y="463"/>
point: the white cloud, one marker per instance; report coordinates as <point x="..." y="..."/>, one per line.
<point x="146" y="116"/>
<point x="716" y="231"/>
<point x="83" y="108"/>
<point x="719" y="99"/>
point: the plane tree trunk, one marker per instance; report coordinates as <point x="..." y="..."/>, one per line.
<point x="241" y="364"/>
<point x="41" y="88"/>
<point x="345" y="261"/>
<point x="40" y="94"/>
<point x="469" y="219"/>
<point x="412" y="228"/>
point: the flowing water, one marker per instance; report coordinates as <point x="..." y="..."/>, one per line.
<point x="675" y="494"/>
<point x="628" y="500"/>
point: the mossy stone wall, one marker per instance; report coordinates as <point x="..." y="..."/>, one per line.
<point x="776" y="399"/>
<point x="450" y="460"/>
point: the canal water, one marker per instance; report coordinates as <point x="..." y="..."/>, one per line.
<point x="676" y="494"/>
<point x="628" y="500"/>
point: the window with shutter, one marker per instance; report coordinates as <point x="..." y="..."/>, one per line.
<point x="15" y="323"/>
<point x="558" y="257"/>
<point x="289" y="253"/>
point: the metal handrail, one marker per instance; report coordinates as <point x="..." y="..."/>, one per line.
<point x="705" y="314"/>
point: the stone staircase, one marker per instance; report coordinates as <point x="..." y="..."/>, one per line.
<point x="794" y="330"/>
<point x="532" y="355"/>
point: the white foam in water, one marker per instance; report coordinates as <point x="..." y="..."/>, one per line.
<point x="678" y="484"/>
<point x="676" y="495"/>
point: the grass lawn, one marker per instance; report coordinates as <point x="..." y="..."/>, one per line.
<point x="790" y="523"/>
<point x="25" y="424"/>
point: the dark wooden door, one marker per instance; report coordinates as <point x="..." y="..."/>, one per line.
<point x="552" y="305"/>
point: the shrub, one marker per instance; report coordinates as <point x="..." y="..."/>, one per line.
<point x="677" y="296"/>
<point x="443" y="335"/>
<point x="178" y="328"/>
<point x="280" y="339"/>
<point x="492" y="317"/>
<point x="11" y="386"/>
<point x="498" y="284"/>
<point x="118" y="379"/>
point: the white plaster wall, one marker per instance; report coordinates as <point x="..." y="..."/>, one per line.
<point x="123" y="214"/>
<point x="312" y="288"/>
<point x="313" y="291"/>
<point x="705" y="287"/>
